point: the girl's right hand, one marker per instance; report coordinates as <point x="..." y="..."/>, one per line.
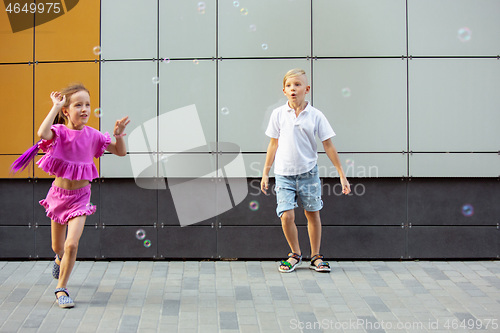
<point x="58" y="99"/>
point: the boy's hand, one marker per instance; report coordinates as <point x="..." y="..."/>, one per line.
<point x="346" y="187"/>
<point x="120" y="126"/>
<point x="58" y="99"/>
<point x="264" y="184"/>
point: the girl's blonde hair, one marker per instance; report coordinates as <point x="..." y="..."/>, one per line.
<point x="292" y="73"/>
<point x="68" y="92"/>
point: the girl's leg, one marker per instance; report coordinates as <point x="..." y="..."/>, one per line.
<point x="314" y="229"/>
<point x="75" y="230"/>
<point x="291" y="233"/>
<point x="58" y="234"/>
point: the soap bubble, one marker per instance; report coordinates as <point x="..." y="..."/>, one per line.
<point x="236" y="3"/>
<point x="166" y="60"/>
<point x="467" y="210"/>
<point x="224" y="111"/>
<point x="244" y="11"/>
<point x="147" y="243"/>
<point x="140" y="234"/>
<point x="98" y="112"/>
<point x="156" y="80"/>
<point x="464" y="34"/>
<point x="201" y="7"/>
<point x="253" y="205"/>
<point x="346" y="92"/>
<point x="195" y="61"/>
<point x="264" y="47"/>
<point x="252" y="28"/>
<point x="97" y="50"/>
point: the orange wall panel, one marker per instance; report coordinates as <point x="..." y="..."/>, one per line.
<point x="5" y="163"/>
<point x="15" y="47"/>
<point x="71" y="36"/>
<point x="16" y="108"/>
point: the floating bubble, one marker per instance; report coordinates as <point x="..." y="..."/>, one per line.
<point x="156" y="80"/>
<point x="163" y="157"/>
<point x="349" y="162"/>
<point x="264" y="47"/>
<point x="98" y="112"/>
<point x="166" y="60"/>
<point x="252" y="28"/>
<point x="346" y="92"/>
<point x="147" y="243"/>
<point x="244" y="11"/>
<point x="236" y="3"/>
<point x="464" y="34"/>
<point x="201" y="7"/>
<point x="467" y="210"/>
<point x="97" y="50"/>
<point x="253" y="205"/>
<point x="224" y="111"/>
<point x="195" y="61"/>
<point x="140" y="234"/>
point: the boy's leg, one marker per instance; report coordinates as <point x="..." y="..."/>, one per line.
<point x="310" y="194"/>
<point x="290" y="231"/>
<point x="286" y="197"/>
<point x="291" y="235"/>
<point x="314" y="230"/>
<point x="75" y="230"/>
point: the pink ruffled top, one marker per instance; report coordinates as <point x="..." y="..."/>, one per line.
<point x="70" y="154"/>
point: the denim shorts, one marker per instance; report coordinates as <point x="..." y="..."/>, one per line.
<point x="307" y="186"/>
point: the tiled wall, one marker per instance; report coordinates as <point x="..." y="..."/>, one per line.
<point x="410" y="88"/>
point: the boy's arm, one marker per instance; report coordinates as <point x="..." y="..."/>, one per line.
<point x="332" y="154"/>
<point x="44" y="132"/>
<point x="271" y="153"/>
<point x="119" y="148"/>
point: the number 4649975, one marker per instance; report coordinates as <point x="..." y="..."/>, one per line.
<point x="40" y="8"/>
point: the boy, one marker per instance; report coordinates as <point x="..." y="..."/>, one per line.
<point x="292" y="129"/>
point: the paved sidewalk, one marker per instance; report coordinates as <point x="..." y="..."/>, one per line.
<point x="239" y="296"/>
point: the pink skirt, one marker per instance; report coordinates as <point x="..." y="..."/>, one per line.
<point x="62" y="205"/>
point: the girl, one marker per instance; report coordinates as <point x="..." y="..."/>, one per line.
<point x="70" y="147"/>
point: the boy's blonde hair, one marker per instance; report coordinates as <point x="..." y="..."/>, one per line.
<point x="292" y="73"/>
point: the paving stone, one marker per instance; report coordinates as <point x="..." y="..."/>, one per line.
<point x="249" y="296"/>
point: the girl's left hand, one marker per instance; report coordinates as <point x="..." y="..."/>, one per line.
<point x="120" y="126"/>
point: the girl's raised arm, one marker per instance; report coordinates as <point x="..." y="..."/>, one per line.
<point x="118" y="147"/>
<point x="58" y="100"/>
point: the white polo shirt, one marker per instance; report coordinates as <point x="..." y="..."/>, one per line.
<point x="297" y="149"/>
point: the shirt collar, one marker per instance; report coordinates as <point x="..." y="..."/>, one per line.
<point x="307" y="108"/>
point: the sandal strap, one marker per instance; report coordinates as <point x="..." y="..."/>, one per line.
<point x="63" y="290"/>
<point x="286" y="263"/>
<point x="295" y="256"/>
<point x="323" y="263"/>
<point x="316" y="257"/>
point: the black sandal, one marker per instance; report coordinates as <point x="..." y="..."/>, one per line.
<point x="322" y="267"/>
<point x="286" y="263"/>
